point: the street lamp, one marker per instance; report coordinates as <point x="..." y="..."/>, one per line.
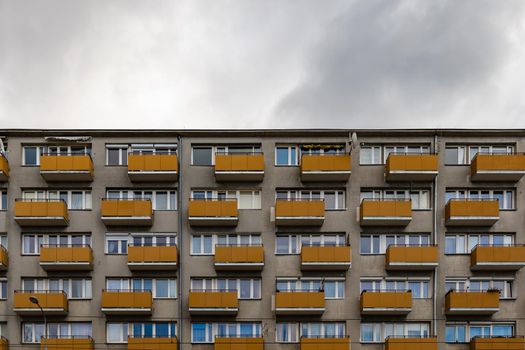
<point x="35" y="301"/>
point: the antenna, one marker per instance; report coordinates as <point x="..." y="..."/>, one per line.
<point x="353" y="141"/>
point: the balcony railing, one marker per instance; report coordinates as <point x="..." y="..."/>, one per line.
<point x="4" y="343"/>
<point x="299" y="212"/>
<point x="240" y="343"/>
<point x="411" y="167"/>
<point x="127" y="302"/>
<point x="66" y="257"/>
<point x="386" y="302"/>
<point x="4" y="168"/>
<point x="322" y="343"/>
<point x="152" y="257"/>
<point x="153" y="167"/>
<point x="497" y="257"/>
<point x="497" y="343"/>
<point x="66" y="167"/>
<point x="126" y="212"/>
<point x="41" y="212"/>
<point x="471" y="212"/>
<point x="213" y="302"/>
<point x="385" y="212"/>
<point x="239" y="166"/>
<point x="411" y="257"/>
<point x="467" y="302"/>
<point x="152" y="343"/>
<point x="72" y="342"/>
<point x="411" y="343"/>
<point x="4" y="258"/>
<point x="239" y="257"/>
<point x="52" y="302"/>
<point x="497" y="167"/>
<point x="328" y="257"/>
<point x="329" y="167"/>
<point x="299" y="302"/>
<point x="213" y="212"/>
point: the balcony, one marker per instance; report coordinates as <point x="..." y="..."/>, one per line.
<point x="164" y="343"/>
<point x="471" y="302"/>
<point x="299" y="303"/>
<point x="330" y="167"/>
<point x="152" y="257"/>
<point x="325" y="343"/>
<point x="4" y="258"/>
<point x="497" y="167"/>
<point x="4" y="168"/>
<point x="239" y="167"/>
<point x="497" y="343"/>
<point x="41" y="212"/>
<point x="127" y="302"/>
<point x="213" y="302"/>
<point x="255" y="343"/>
<point x="471" y="212"/>
<point x="239" y="257"/>
<point x="299" y="212"/>
<point x="73" y="343"/>
<point x="66" y="167"/>
<point x="411" y="343"/>
<point x="213" y="212"/>
<point x="411" y="167"/>
<point x="376" y="212"/>
<point x="326" y="257"/>
<point x="126" y="212"/>
<point x="4" y="343"/>
<point x="153" y="167"/>
<point x="493" y="257"/>
<point x="411" y="257"/>
<point x="386" y="302"/>
<point x="52" y="303"/>
<point x="66" y="257"/>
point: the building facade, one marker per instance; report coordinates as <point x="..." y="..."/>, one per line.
<point x="252" y="239"/>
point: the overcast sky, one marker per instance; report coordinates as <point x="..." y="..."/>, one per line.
<point x="264" y="64"/>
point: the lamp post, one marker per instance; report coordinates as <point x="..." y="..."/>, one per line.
<point x="35" y="301"/>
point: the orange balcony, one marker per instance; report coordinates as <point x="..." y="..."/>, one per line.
<point x="410" y="343"/>
<point x="127" y="302"/>
<point x="239" y="257"/>
<point x="497" y="343"/>
<point x="299" y="303"/>
<point x="299" y="212"/>
<point x="255" y="343"/>
<point x="510" y="257"/>
<point x="471" y="303"/>
<point x="471" y="212"/>
<point x="213" y="212"/>
<point x="152" y="257"/>
<point x="4" y="168"/>
<point x="386" y="302"/>
<point x="153" y="167"/>
<point x="135" y="343"/>
<point x="4" y="343"/>
<point x="376" y="212"/>
<point x="52" y="302"/>
<point x="66" y="167"/>
<point x="73" y="343"/>
<point x="330" y="167"/>
<point x="326" y="257"/>
<point x="325" y="343"/>
<point x="411" y="167"/>
<point x="126" y="212"/>
<point x="4" y="258"/>
<point x="41" y="212"/>
<point x="213" y="302"/>
<point x="497" y="167"/>
<point x="407" y="257"/>
<point x="239" y="167"/>
<point x="72" y="257"/>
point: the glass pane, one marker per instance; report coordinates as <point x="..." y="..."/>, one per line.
<point x="162" y="288"/>
<point x="451" y="155"/>
<point x="161" y="201"/>
<point x="282" y="156"/>
<point x="202" y="156"/>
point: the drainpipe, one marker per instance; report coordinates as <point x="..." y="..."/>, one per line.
<point x="179" y="237"/>
<point x="435" y="236"/>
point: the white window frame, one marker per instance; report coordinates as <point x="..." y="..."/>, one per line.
<point x="381" y="151"/>
<point x="127" y="284"/>
<point x="3" y="194"/>
<point x="291" y="149"/>
<point x="508" y="238"/>
<point x="308" y="284"/>
<point x="223" y="149"/>
<point x="464" y="283"/>
<point x="399" y="239"/>
<point x="212" y="330"/>
<point x="123" y="154"/>
<point x="400" y="194"/>
<point x="144" y="194"/>
<point x="254" y="239"/>
<point x="380" y="334"/>
<point x="400" y="283"/>
<point x="44" y="284"/>
<point x="320" y="239"/>
<point x="465" y="156"/>
<point x="87" y="202"/>
<point x="314" y="195"/>
<point x="213" y="284"/>
<point x="44" y="239"/>
<point x="60" y="328"/>
<point x="129" y="238"/>
<point x="483" y="194"/>
<point x="231" y="194"/>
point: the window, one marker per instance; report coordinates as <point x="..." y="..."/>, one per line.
<point x="118" y="332"/>
<point x="3" y="200"/>
<point x="418" y="286"/>
<point x="75" y="288"/>
<point x="247" y="288"/>
<point x="505" y="197"/>
<point x="323" y="329"/>
<point x="463" y="332"/>
<point x="149" y="148"/>
<point x="118" y="243"/>
<point x="116" y="155"/>
<point x="463" y="154"/>
<point x="75" y="199"/>
<point x="334" y="200"/>
<point x="420" y="198"/>
<point x="31" y="155"/>
<point x="202" y="155"/>
<point x="3" y="289"/>
<point x="31" y="242"/>
<point x="205" y="155"/>
<point x="334" y="288"/>
<point x="286" y="155"/>
<point x="161" y="288"/>
<point x="292" y="243"/>
<point x="245" y="199"/>
<point x="378" y="154"/>
<point x="505" y="286"/>
<point x="378" y="243"/>
<point x="3" y="240"/>
<point x="32" y="332"/>
<point x="287" y="332"/>
<point x="464" y="243"/>
<point x="206" y="332"/>
<point x="160" y="200"/>
<point x="205" y="244"/>
<point x="377" y="332"/>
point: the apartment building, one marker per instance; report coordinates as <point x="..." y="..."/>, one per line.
<point x="262" y="239"/>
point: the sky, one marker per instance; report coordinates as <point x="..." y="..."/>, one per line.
<point x="262" y="64"/>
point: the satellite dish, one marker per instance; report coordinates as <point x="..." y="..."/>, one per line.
<point x="353" y="140"/>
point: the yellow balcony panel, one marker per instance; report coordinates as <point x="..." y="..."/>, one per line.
<point x="410" y="343"/>
<point x="4" y="343"/>
<point x="497" y="257"/>
<point x="299" y="212"/>
<point x="386" y="302"/>
<point x="239" y="257"/>
<point x="4" y="258"/>
<point x="497" y="343"/>
<point x="326" y="257"/>
<point x="72" y="257"/>
<point x="71" y="343"/>
<point x="4" y="168"/>
<point x="255" y="343"/>
<point x="152" y="257"/>
<point x="213" y="212"/>
<point x="471" y="303"/>
<point x="411" y="167"/>
<point x="127" y="302"/>
<point x="126" y="212"/>
<point x="213" y="302"/>
<point x="41" y="212"/>
<point x="163" y="343"/>
<point x="66" y="167"/>
<point x="385" y="212"/>
<point x="299" y="303"/>
<point x="153" y="167"/>
<point x="330" y="167"/>
<point x="471" y="212"/>
<point x="497" y="167"/>
<point x="52" y="302"/>
<point x="407" y="257"/>
<point x="239" y="167"/>
<point x="325" y="343"/>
